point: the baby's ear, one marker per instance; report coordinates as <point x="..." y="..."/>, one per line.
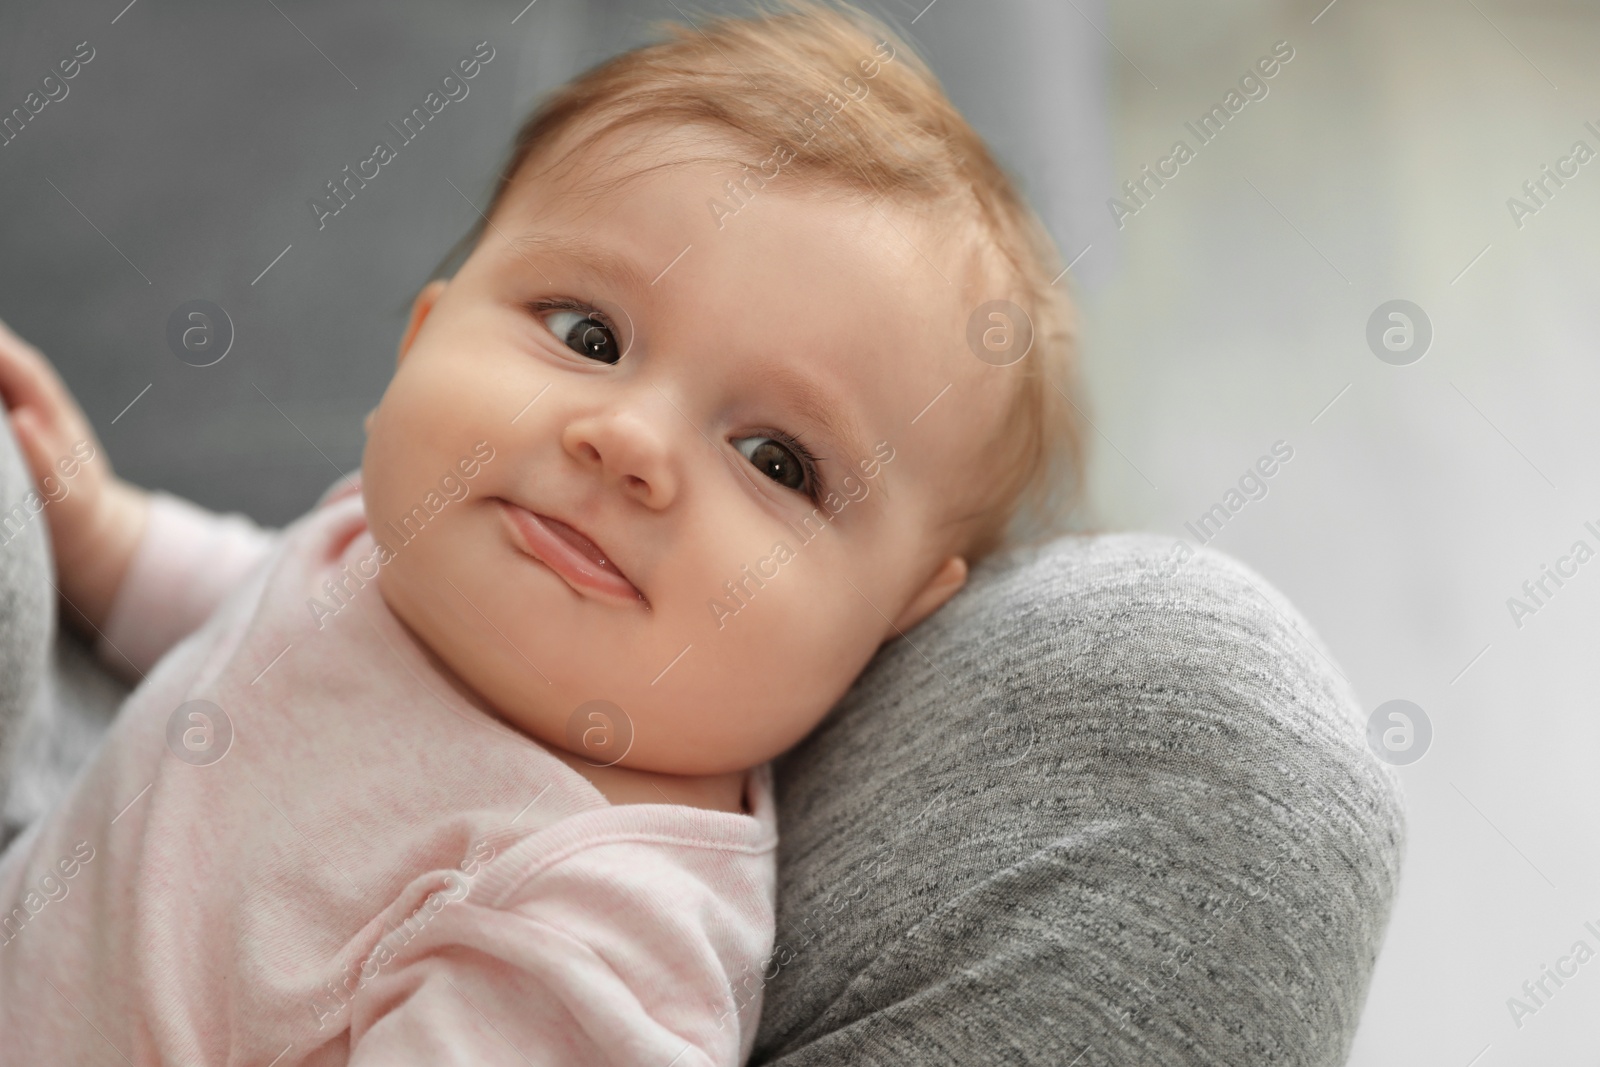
<point x="950" y="577"/>
<point x="419" y="311"/>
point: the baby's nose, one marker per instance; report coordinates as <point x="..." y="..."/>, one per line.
<point x="629" y="449"/>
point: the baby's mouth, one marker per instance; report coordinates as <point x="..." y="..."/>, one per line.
<point x="571" y="554"/>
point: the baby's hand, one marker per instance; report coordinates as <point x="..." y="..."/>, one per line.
<point x="95" y="518"/>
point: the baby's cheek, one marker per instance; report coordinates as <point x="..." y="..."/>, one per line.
<point x="818" y="623"/>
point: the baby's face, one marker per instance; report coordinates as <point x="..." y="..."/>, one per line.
<point x="650" y="387"/>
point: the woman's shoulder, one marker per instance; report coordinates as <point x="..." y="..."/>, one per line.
<point x="1139" y="621"/>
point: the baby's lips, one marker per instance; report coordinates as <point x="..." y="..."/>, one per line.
<point x="577" y="540"/>
<point x="578" y="560"/>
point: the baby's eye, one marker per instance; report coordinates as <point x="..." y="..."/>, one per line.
<point x="585" y="334"/>
<point x="778" y="461"/>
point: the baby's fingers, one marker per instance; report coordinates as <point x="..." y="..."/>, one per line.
<point x="30" y="441"/>
<point x="26" y="377"/>
<point x="29" y="383"/>
<point x="38" y="450"/>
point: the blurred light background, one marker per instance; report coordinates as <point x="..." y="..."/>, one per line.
<point x="1229" y="313"/>
<point x="1379" y="167"/>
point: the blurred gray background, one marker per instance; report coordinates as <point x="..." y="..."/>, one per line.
<point x="1229" y="313"/>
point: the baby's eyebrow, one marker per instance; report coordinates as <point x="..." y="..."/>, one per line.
<point x="817" y="405"/>
<point x="613" y="267"/>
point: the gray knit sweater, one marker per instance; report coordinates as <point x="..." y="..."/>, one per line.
<point x="1095" y="811"/>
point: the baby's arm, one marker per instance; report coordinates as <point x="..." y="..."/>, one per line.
<point x="186" y="563"/>
<point x="100" y="524"/>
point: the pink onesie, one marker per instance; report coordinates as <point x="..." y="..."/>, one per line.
<point x="349" y="863"/>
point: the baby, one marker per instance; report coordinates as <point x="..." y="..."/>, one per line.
<point x="470" y="764"/>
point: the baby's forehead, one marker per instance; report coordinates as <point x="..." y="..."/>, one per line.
<point x="913" y="376"/>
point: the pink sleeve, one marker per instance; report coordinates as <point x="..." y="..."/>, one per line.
<point x="623" y="957"/>
<point x="188" y="560"/>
